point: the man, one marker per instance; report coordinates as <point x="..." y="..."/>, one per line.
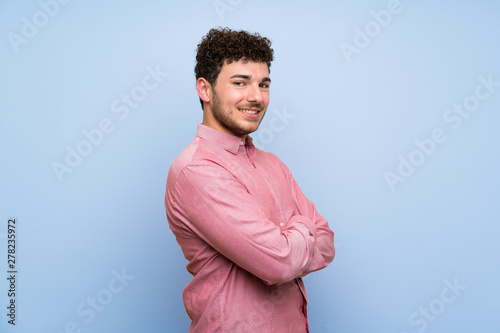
<point x="242" y="222"/>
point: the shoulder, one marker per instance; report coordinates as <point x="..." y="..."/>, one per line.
<point x="197" y="163"/>
<point x="197" y="152"/>
<point x="185" y="158"/>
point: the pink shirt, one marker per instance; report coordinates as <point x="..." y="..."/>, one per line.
<point x="248" y="233"/>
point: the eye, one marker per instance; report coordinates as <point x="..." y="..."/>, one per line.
<point x="264" y="85"/>
<point x="239" y="83"/>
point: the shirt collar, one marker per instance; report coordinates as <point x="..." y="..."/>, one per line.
<point x="227" y="141"/>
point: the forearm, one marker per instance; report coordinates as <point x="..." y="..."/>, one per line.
<point x="324" y="248"/>
<point x="323" y="252"/>
<point x="230" y="220"/>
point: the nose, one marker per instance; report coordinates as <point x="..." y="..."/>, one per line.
<point x="254" y="94"/>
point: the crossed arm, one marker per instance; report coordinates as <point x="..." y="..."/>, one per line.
<point x="218" y="208"/>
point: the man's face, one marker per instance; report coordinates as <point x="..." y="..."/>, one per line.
<point x="240" y="98"/>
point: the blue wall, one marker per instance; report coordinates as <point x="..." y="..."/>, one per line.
<point x="388" y="115"/>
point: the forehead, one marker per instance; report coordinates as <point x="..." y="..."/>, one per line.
<point x="257" y="70"/>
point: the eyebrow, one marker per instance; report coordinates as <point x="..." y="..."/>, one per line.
<point x="248" y="77"/>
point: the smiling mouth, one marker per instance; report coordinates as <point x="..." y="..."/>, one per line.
<point x="249" y="111"/>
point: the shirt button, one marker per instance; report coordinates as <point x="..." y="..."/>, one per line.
<point x="281" y="224"/>
<point x="241" y="143"/>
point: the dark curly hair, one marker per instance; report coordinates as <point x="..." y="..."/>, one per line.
<point x="223" y="45"/>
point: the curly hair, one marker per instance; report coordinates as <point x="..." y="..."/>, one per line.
<point x="223" y="45"/>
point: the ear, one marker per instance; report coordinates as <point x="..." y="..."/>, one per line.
<point x="204" y="89"/>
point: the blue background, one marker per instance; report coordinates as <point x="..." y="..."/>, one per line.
<point x="352" y="118"/>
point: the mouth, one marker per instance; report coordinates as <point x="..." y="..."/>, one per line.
<point x="250" y="112"/>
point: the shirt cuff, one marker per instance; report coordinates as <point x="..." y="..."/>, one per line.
<point x="311" y="226"/>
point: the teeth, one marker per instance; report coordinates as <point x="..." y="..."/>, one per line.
<point x="249" y="111"/>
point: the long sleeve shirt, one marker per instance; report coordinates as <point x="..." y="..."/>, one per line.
<point x="249" y="235"/>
